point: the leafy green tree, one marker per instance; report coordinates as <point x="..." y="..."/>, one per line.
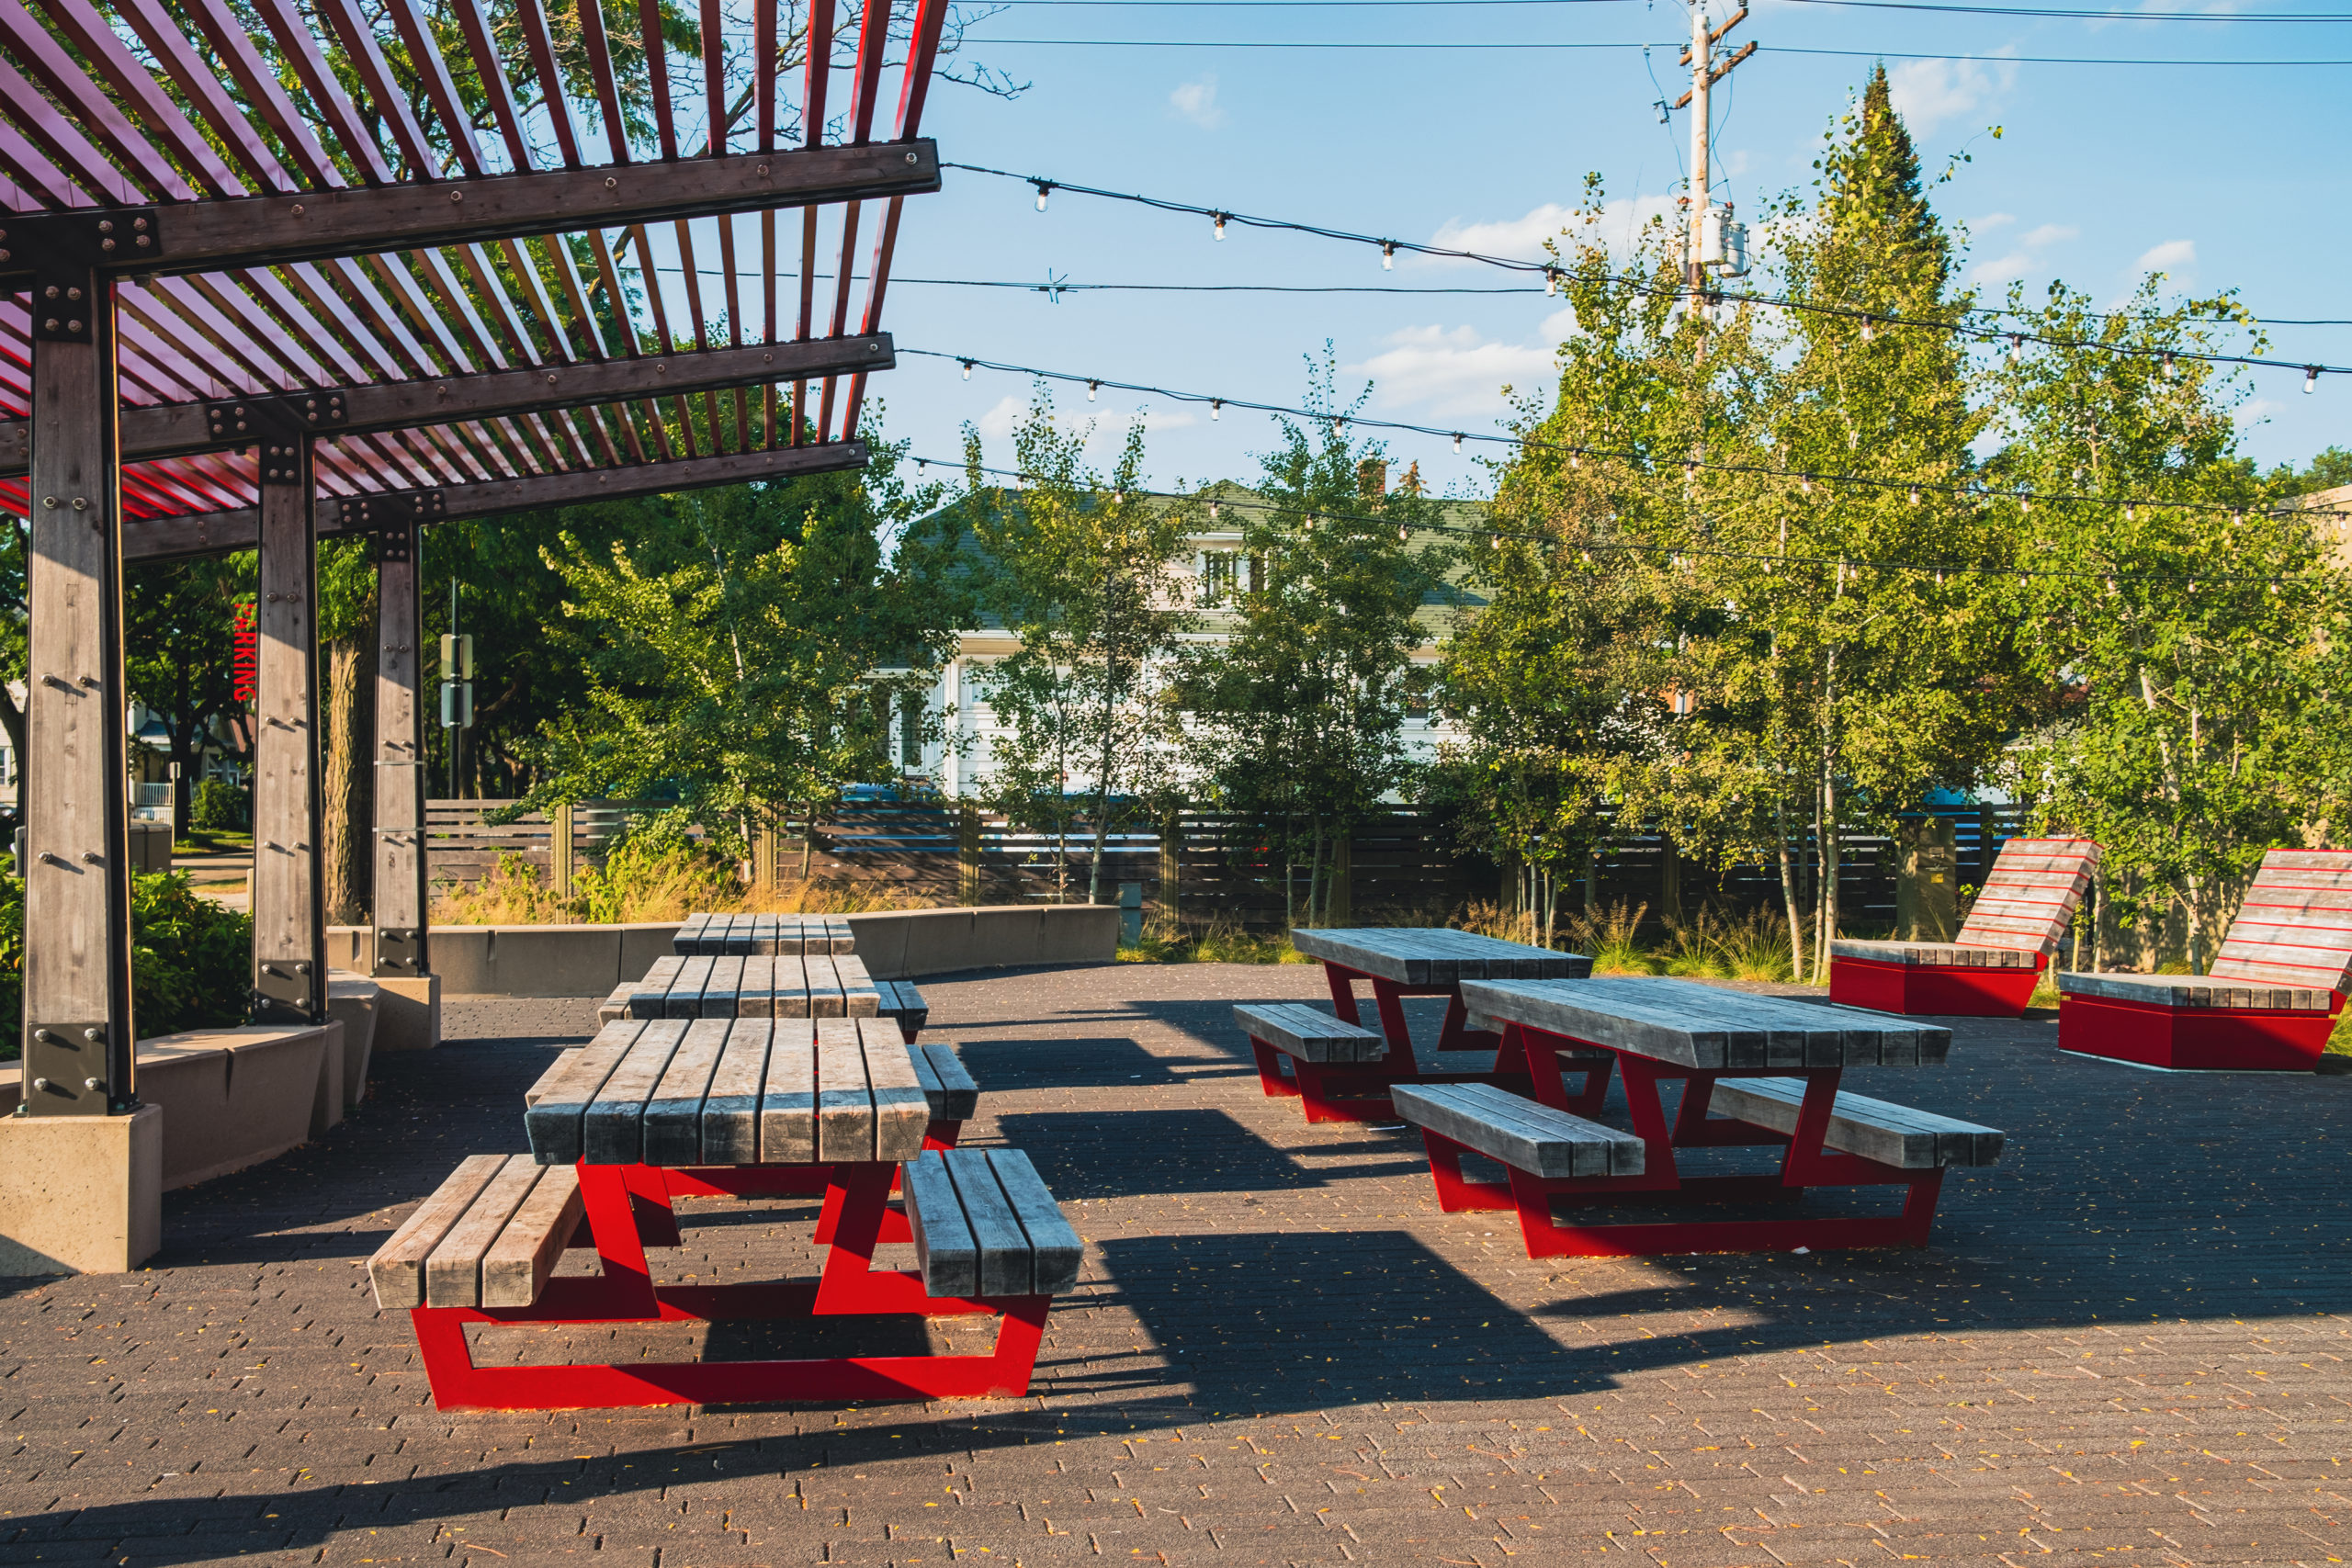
<point x="747" y="653"/>
<point x="1082" y="568"/>
<point x="1297" y="721"/>
<point x="2194" y="627"/>
<point x="180" y="654"/>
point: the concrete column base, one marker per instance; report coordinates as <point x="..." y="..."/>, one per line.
<point x="408" y="1013"/>
<point x="81" y="1194"/>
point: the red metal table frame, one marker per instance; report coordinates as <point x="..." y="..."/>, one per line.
<point x="1355" y="1091"/>
<point x="628" y="1208"/>
<point x="1806" y="1162"/>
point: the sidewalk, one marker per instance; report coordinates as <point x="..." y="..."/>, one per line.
<point x="2124" y="1345"/>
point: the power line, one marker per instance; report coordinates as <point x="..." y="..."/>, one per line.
<point x="1576" y="451"/>
<point x="1523" y="44"/>
<point x="1553" y="273"/>
<point x="1668" y="555"/>
<point x="2027" y="11"/>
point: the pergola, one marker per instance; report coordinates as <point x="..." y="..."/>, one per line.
<point x="273" y="272"/>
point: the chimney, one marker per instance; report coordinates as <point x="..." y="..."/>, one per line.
<point x="1372" y="478"/>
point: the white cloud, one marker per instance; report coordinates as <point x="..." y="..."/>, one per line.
<point x="1990" y="222"/>
<point x="1522" y="238"/>
<point x="1454" y="371"/>
<point x="2025" y="257"/>
<point x="998" y="423"/>
<point x="2172" y="255"/>
<point x="1929" y="92"/>
<point x="2258" y="411"/>
<point x="1105" y="429"/>
<point x="1196" y="101"/>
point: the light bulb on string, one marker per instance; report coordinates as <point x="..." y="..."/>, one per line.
<point x="1219" y="219"/>
<point x="1457" y="441"/>
<point x="1045" y="188"/>
<point x="1404" y="534"/>
<point x="1551" y="280"/>
<point x="2311" y="380"/>
<point x="1388" y="255"/>
<point x="967" y="370"/>
<point x="1214" y="509"/>
<point x="1915" y="497"/>
<point x="2172" y="370"/>
<point x="1868" y="333"/>
<point x="1216" y="407"/>
<point x="2017" y="347"/>
<point x="1091" y="388"/>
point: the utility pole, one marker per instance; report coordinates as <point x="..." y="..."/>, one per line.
<point x="1715" y="241"/>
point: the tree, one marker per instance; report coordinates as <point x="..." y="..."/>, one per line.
<point x="2194" y="627"/>
<point x="180" y="654"/>
<point x="1082" y="570"/>
<point x="746" y="652"/>
<point x="1297" y="720"/>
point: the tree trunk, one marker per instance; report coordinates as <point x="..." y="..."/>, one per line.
<point x="347" y="842"/>
<point x="1829" y="924"/>
<point x="1102" y="846"/>
<point x="1789" y="889"/>
<point x="12" y="720"/>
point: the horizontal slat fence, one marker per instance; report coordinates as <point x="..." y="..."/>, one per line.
<point x="1403" y="863"/>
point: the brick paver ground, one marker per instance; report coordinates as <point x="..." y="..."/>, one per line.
<point x="2125" y="1346"/>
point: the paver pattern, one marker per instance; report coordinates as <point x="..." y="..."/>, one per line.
<point x="2126" y="1345"/>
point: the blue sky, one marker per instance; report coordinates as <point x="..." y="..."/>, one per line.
<point x="2225" y="177"/>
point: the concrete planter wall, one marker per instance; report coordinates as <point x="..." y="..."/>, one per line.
<point x="896" y="944"/>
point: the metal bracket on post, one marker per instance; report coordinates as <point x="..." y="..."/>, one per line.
<point x="63" y="251"/>
<point x="282" y="992"/>
<point x="399" y="951"/>
<point x="245" y="422"/>
<point x="66" y="1071"/>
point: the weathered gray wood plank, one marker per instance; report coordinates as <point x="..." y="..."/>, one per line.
<point x="1519" y="1132"/>
<point x="453" y="1269"/>
<point x="944" y="1250"/>
<point x="1706" y="1026"/>
<point x="397" y="1270"/>
<point x="551" y="1122"/>
<point x="1893" y="1134"/>
<point x="518" y="1264"/>
<point x="673" y="1112"/>
<point x="789" y="1100"/>
<point x="1311" y="1034"/>
<point x="844" y="1099"/>
<point x="901" y="1112"/>
<point x="612" y="1129"/>
<point x="1054" y="1249"/>
<point x="952" y="1096"/>
<point x="1005" y="1267"/>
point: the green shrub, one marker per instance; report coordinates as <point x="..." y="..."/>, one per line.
<point x="220" y="807"/>
<point x="191" y="959"/>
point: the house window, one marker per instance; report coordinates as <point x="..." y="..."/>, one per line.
<point x="910" y="732"/>
<point x="1219" y="576"/>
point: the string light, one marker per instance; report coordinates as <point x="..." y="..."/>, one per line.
<point x="1457" y="442"/>
<point x="2311" y="380"/>
<point x="1806" y="479"/>
<point x="1091" y="388"/>
<point x="2172" y="370"/>
<point x="1550" y="272"/>
<point x="1388" y="255"/>
<point x="2017" y="347"/>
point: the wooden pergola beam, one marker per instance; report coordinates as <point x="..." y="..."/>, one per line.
<point x="272" y="230"/>
<point x="219" y="533"/>
<point x="167" y="429"/>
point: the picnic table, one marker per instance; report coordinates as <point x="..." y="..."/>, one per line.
<point x="708" y="935"/>
<point x="1756" y="1070"/>
<point x="1343" y="1071"/>
<point x="655" y="1109"/>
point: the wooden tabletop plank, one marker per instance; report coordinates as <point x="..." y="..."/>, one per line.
<point x="398" y="1269"/>
<point x="791" y="985"/>
<point x="612" y="1129"/>
<point x="651" y="995"/>
<point x="859" y="997"/>
<point x="824" y="986"/>
<point x="901" y="1110"/>
<point x="1435" y="956"/>
<point x="789" y="1100"/>
<point x="453" y="1269"/>
<point x="1709" y="1027"/>
<point x="673" y="1112"/>
<point x="722" y="993"/>
<point x="519" y="1263"/>
<point x="844" y="1099"/>
<point x="552" y="1122"/>
<point x="731" y="1109"/>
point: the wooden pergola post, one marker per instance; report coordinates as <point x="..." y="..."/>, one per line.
<point x="78" y="1031"/>
<point x="288" y="898"/>
<point x="400" y="910"/>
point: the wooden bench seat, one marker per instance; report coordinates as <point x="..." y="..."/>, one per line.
<point x="2268" y="1003"/>
<point x="1310" y="1033"/>
<point x="816" y="985"/>
<point x="1892" y="1135"/>
<point x="984" y="1225"/>
<point x="1519" y="1132"/>
<point x="1991" y="968"/>
<point x="904" y="1004"/>
<point x="489" y="1236"/>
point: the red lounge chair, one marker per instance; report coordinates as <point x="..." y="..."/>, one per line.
<point x="1991" y="968"/>
<point x="2270" y="1000"/>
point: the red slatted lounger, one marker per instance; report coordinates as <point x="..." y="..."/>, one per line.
<point x="2270" y="1000"/>
<point x="1991" y="968"/>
